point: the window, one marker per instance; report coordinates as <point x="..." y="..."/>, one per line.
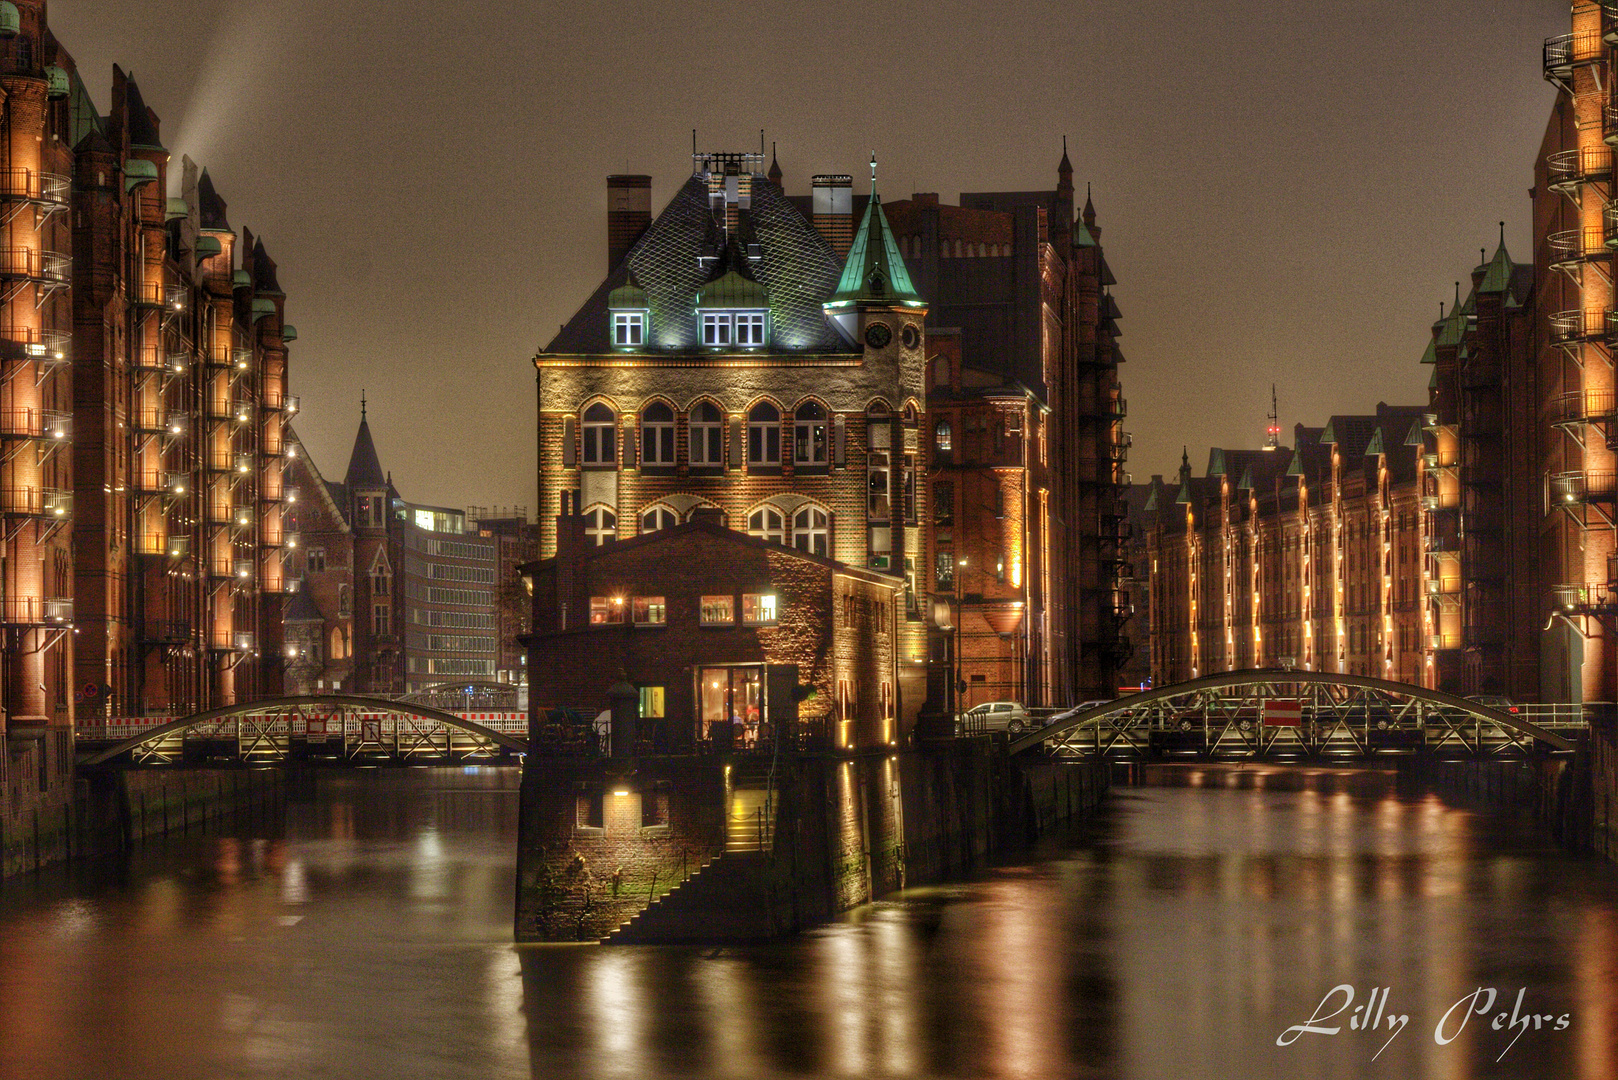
<point x="589" y="812"/>
<point x="345" y="601"/>
<point x="907" y="488"/>
<point x="766" y="523"/>
<point x="880" y="507"/>
<point x="315" y="559"/>
<point x="811" y="530"/>
<point x="606" y="610"/>
<point x="380" y="583"/>
<point x="600" y="441"/>
<point x="764" y="435"/>
<point x="628" y="328"/>
<point x="750" y="328"/>
<point x="944" y="568"/>
<point x="600" y="525"/>
<point x="716" y="329"/>
<point x="649" y="611"/>
<point x="707" y="435"/>
<point x="718" y="610"/>
<point x="809" y="435"/>
<point x="758" y="608"/>
<point x="944" y="501"/>
<point x="651" y="702"/>
<point x="658" y="517"/>
<point x="942" y="437"/>
<point x="381" y="620"/>
<point x="657" y="435"/>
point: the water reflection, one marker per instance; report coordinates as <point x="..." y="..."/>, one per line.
<point x="1176" y="936"/>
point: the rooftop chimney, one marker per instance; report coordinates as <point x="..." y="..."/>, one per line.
<point x="833" y="203"/>
<point x="629" y="214"/>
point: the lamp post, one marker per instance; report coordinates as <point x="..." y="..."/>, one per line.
<point x="957" y="685"/>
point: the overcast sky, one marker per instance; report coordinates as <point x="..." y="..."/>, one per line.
<point x="1286" y="190"/>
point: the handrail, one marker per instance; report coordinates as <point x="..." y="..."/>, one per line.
<point x="36" y="264"/>
<point x="52" y="189"/>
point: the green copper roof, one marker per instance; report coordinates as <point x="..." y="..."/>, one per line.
<point x="874" y="270"/>
<point x="241" y="280"/>
<point x="1497" y="279"/>
<point x="1374" y="447"/>
<point x="1185" y="494"/>
<point x="1216" y="462"/>
<point x="82" y="115"/>
<point x="138" y="171"/>
<point x="629" y="296"/>
<point x="289" y="332"/>
<point x="1246" y="482"/>
<point x="1328" y="437"/>
<point x="1296" y="468"/>
<point x="10" y="20"/>
<point x="262" y="306"/>
<point x="57" y="82"/>
<point x="730" y="290"/>
<point x="177" y="208"/>
<point x="1430" y="356"/>
<point x="1082" y="236"/>
<point x="1432" y="383"/>
<point x="1413" y="438"/>
<point x="1471" y="305"/>
<point x="208" y="247"/>
<point x="1454" y="328"/>
<point x="1512" y="304"/>
<point x="1151" y="498"/>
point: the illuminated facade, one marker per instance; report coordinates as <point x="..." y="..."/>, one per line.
<point x="143" y="359"/>
<point x="1310" y="557"/>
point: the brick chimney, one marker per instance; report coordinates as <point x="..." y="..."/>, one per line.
<point x="833" y="203"/>
<point x="629" y="214"/>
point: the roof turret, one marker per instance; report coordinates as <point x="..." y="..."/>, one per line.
<point x="364" y="470"/>
<point x="874" y="270"/>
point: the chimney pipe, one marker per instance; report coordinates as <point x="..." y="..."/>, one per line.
<point x="833" y="203"/>
<point x="629" y="214"/>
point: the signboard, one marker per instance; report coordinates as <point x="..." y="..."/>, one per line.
<point x="1283" y="712"/>
<point x="371" y="731"/>
<point x="315" y="728"/>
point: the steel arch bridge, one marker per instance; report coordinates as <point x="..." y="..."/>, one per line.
<point x="342" y="726"/>
<point x="1232" y="714"/>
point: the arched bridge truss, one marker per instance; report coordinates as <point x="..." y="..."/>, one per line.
<point x="1301" y="714"/>
<point x="336" y="726"/>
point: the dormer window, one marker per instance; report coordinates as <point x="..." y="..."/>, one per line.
<point x="715" y="328"/>
<point x="628" y="329"/>
<point x="750" y="328"/>
<point x="733" y="311"/>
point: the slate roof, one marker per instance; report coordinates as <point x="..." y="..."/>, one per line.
<point x="797" y="268"/>
<point x="210" y="207"/>
<point x="364" y="470"/>
<point x="142" y="132"/>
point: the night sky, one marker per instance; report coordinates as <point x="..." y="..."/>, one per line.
<point x="1286" y="190"/>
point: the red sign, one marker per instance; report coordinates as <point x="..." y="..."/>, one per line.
<point x="315" y="726"/>
<point x="1283" y="712"/>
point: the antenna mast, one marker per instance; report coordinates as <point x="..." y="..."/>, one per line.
<point x="1274" y="441"/>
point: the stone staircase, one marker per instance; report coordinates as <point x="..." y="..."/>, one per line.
<point x="728" y="898"/>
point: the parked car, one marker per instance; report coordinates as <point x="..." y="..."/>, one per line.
<point x="1494" y="701"/>
<point x="1008" y="716"/>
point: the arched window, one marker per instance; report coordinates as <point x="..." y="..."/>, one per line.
<point x="600" y="525"/>
<point x="766" y="523"/>
<point x="809" y="435"/>
<point x="657" y="435"/>
<point x="942" y="437"/>
<point x="811" y="530"/>
<point x="600" y="440"/>
<point x="764" y="435"/>
<point x="658" y="517"/>
<point x="707" y="435"/>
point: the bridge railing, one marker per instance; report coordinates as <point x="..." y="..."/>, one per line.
<point x="349" y="722"/>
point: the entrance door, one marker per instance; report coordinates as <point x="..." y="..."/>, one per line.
<point x="730" y="702"/>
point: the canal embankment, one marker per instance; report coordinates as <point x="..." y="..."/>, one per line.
<point x="107" y="811"/>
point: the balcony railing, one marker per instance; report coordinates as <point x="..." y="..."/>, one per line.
<point x="1570" y="327"/>
<point x="1583" y="406"/>
<point x="36" y="264"/>
<point x="36" y="610"/>
<point x="1444" y="641"/>
<point x="37" y="502"/>
<point x="241" y="359"/>
<point x="1567" y="51"/>
<point x="166" y="546"/>
<point x="47" y="345"/>
<point x="165" y="632"/>
<point x="1571" y="246"/>
<point x="232" y="640"/>
<point x="1579" y="486"/>
<point x="1566" y="169"/>
<point x="161" y="294"/>
<point x="1116" y="408"/>
<point x="35" y="424"/>
<point x="29" y="185"/>
<point x="1587" y="599"/>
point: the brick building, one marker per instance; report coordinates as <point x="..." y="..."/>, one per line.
<point x="722" y="633"/>
<point x="393" y="597"/>
<point x="774" y="357"/>
<point x="143" y="359"/>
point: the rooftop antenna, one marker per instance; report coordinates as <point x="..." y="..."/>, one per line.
<point x="1274" y="441"/>
<point x="362" y="403"/>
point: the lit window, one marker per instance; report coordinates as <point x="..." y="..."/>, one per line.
<point x="649" y="611"/>
<point x="880" y="506"/>
<point x="809" y="435"/>
<point x="651" y="702"/>
<point x="600" y="525"/>
<point x="716" y="329"/>
<point x="941" y="437"/>
<point x="707" y="435"/>
<point x="766" y="523"/>
<point x="657" y="435"/>
<point x="750" y="328"/>
<point x="600" y="441"/>
<point x="605" y="610"/>
<point x="658" y="517"/>
<point x="758" y="608"/>
<point x="718" y="610"/>
<point x="811" y="530"/>
<point x="628" y="328"/>
<point x="764" y="435"/>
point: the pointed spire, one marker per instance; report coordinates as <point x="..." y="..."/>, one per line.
<point x="1066" y="166"/>
<point x="1089" y="208"/>
<point x="211" y="215"/>
<point x="775" y="167"/>
<point x="874" y="269"/>
<point x="364" y="470"/>
<point x="142" y="131"/>
<point x="873" y="174"/>
<point x="1497" y="278"/>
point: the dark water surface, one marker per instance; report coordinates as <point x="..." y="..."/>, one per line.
<point x="1178" y="936"/>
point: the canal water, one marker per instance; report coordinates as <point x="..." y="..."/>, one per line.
<point x="1181" y="934"/>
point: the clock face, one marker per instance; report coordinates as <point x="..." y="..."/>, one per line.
<point x="910" y="336"/>
<point x="877" y="335"/>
